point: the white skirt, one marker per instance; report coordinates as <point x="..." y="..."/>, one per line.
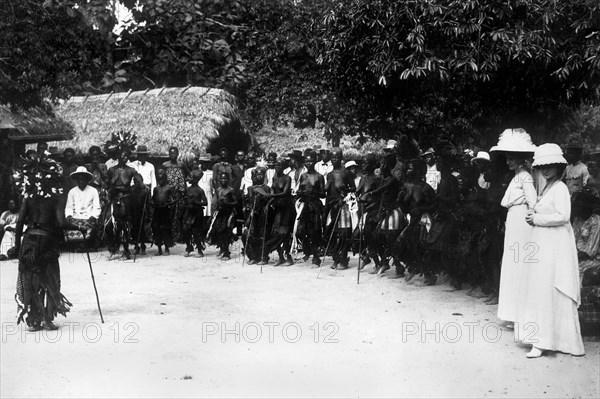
<point x="517" y="238"/>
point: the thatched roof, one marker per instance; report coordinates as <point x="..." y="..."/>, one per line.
<point x="33" y="125"/>
<point x="190" y="118"/>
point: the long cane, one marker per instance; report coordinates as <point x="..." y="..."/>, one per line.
<point x="262" y="252"/>
<point x="248" y="234"/>
<point x="87" y="251"/>
<point x="141" y="225"/>
<point x="360" y="233"/>
<point x="330" y="237"/>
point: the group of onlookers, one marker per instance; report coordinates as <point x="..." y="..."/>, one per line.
<point x="498" y="221"/>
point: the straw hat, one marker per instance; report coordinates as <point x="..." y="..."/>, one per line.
<point x="481" y="156"/>
<point x="391" y="144"/>
<point x="595" y="151"/>
<point x="548" y="154"/>
<point x="514" y="140"/>
<point x="350" y="164"/>
<point x="141" y="149"/>
<point x="81" y="171"/>
<point x="429" y="151"/>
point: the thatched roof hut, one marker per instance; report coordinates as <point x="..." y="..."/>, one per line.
<point x="195" y="119"/>
<point x="18" y="128"/>
<point x="33" y="125"/>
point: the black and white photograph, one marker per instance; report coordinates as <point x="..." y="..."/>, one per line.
<point x="299" y="198"/>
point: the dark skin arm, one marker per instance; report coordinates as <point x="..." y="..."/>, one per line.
<point x="201" y="199"/>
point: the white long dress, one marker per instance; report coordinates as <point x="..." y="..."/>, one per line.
<point x="519" y="197"/>
<point x="547" y="313"/>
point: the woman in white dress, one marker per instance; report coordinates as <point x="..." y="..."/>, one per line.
<point x="547" y="313"/>
<point x="520" y="196"/>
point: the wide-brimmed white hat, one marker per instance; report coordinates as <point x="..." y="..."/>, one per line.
<point x="350" y="164"/>
<point x="481" y="156"/>
<point x="429" y="151"/>
<point x="81" y="170"/>
<point x="514" y="140"/>
<point x="391" y="144"/>
<point x="548" y="154"/>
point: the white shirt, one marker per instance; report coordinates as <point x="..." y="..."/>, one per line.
<point x="576" y="176"/>
<point x="111" y="162"/>
<point x="205" y="184"/>
<point x="482" y="183"/>
<point x="146" y="171"/>
<point x="83" y="204"/>
<point x="324" y="168"/>
<point x="433" y="177"/>
<point x="269" y="176"/>
<point x="247" y="180"/>
<point x="292" y="174"/>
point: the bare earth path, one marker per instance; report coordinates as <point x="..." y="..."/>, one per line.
<point x="190" y="327"/>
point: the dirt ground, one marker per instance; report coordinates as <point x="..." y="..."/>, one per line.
<point x="192" y="327"/>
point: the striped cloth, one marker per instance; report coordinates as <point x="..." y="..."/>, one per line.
<point x="344" y="219"/>
<point x="392" y="220"/>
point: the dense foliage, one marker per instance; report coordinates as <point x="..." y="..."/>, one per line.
<point x="443" y="62"/>
<point x="48" y="49"/>
<point x="369" y="68"/>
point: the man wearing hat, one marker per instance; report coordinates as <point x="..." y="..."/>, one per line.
<point x="83" y="202"/>
<point x="432" y="177"/>
<point x="205" y="182"/>
<point x="576" y="174"/>
<point x="146" y="170"/>
<point x="482" y="161"/>
<point x="324" y="166"/>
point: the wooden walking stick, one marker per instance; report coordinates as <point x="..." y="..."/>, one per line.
<point x="87" y="251"/>
<point x="330" y="237"/>
<point x="360" y="233"/>
<point x="141" y="225"/>
<point x="248" y="233"/>
<point x="262" y="252"/>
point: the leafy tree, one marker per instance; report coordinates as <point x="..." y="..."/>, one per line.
<point x="181" y="42"/>
<point x="48" y="50"/>
<point x="431" y="66"/>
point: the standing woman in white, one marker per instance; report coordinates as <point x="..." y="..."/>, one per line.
<point x="520" y="196"/>
<point x="547" y="314"/>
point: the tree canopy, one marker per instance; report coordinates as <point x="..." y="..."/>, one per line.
<point x="370" y="68"/>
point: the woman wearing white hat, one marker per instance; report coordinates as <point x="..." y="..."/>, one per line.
<point x="520" y="196"/>
<point x="547" y="313"/>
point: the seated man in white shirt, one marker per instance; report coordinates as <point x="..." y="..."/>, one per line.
<point x="83" y="203"/>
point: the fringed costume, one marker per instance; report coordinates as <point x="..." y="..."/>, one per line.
<point x="38" y="282"/>
<point x="256" y="210"/>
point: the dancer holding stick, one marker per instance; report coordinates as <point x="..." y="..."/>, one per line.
<point x="38" y="295"/>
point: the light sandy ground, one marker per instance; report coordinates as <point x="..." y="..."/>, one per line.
<point x="165" y="318"/>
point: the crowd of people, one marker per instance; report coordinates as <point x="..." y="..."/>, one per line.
<point x="499" y="222"/>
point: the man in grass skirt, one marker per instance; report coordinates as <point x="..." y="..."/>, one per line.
<point x="38" y="294"/>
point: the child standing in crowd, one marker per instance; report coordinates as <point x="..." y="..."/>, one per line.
<point x="162" y="198"/>
<point x="220" y="232"/>
<point x="193" y="216"/>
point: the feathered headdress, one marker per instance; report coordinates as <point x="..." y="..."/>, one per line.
<point x="39" y="177"/>
<point x="120" y="141"/>
<point x="514" y="140"/>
